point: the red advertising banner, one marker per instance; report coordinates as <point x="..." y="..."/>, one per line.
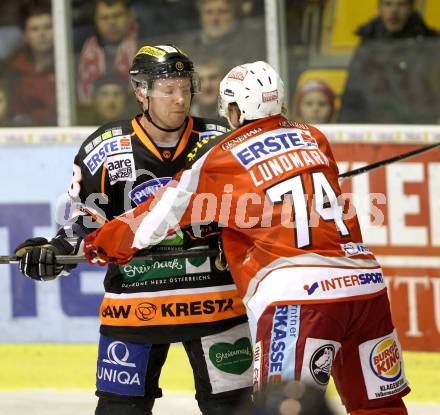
<point x="399" y="210"/>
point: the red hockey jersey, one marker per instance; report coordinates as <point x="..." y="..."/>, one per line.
<point x="289" y="235"/>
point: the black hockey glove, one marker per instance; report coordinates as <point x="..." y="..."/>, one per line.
<point x="206" y="233"/>
<point x="37" y="257"/>
<point x="211" y="234"/>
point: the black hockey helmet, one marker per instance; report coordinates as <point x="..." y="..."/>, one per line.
<point x="159" y="62"/>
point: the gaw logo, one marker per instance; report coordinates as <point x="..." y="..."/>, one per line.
<point x="232" y="358"/>
<point x="385" y="360"/>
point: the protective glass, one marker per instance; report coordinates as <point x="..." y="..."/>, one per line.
<point x="222" y="107"/>
<point x="172" y="85"/>
<point x="225" y="98"/>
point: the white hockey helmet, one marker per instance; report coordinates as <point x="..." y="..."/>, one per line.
<point x="257" y="89"/>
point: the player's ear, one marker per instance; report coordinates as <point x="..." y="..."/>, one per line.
<point x="138" y="92"/>
<point x="141" y="96"/>
<point x="234" y="114"/>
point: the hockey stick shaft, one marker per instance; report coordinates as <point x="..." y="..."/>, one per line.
<point x="158" y="256"/>
<point x="382" y="163"/>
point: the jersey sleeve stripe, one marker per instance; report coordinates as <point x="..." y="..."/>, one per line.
<point x="145" y="139"/>
<point x="184" y="141"/>
<point x="168" y="293"/>
<point x="103" y="176"/>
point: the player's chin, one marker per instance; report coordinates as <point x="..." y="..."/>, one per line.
<point x="176" y="119"/>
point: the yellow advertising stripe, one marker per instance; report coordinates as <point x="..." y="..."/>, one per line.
<point x="170" y="310"/>
<point x="73" y="366"/>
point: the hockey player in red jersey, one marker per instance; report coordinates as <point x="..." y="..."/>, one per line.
<point x="315" y="291"/>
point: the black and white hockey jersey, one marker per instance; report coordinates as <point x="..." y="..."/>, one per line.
<point x="117" y="168"/>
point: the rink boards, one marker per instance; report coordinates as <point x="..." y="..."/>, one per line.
<point x="398" y="207"/>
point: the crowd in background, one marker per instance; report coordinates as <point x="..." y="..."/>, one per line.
<point x="393" y="75"/>
<point x="27" y="71"/>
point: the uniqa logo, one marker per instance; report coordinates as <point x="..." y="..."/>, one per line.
<point x="114" y="376"/>
<point x="113" y="355"/>
<point x="385" y="360"/>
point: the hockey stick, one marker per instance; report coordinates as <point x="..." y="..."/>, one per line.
<point x="158" y="256"/>
<point x="382" y="163"/>
<point x="163" y="256"/>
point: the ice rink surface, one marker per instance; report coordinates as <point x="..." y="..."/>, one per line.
<point x="44" y="402"/>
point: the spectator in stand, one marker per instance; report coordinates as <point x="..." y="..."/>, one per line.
<point x="31" y="71"/>
<point x="389" y="79"/>
<point x="314" y="103"/>
<point x="109" y="103"/>
<point x="7" y="118"/>
<point x="225" y="33"/>
<point x="396" y="19"/>
<point x="211" y="73"/>
<point x="111" y="49"/>
<point x="10" y="31"/>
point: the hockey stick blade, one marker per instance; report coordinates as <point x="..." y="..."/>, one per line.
<point x="382" y="163"/>
<point x="157" y="256"/>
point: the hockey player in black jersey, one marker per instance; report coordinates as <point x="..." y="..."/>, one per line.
<point x="149" y="304"/>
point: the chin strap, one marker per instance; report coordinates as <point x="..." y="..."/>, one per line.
<point x="167" y="130"/>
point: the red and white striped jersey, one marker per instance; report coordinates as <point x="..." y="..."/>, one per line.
<point x="272" y="185"/>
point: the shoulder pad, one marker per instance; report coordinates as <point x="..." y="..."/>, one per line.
<point x="210" y="126"/>
<point x="107" y="131"/>
<point x="202" y="147"/>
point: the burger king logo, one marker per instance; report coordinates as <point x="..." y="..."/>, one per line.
<point x="385" y="360"/>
